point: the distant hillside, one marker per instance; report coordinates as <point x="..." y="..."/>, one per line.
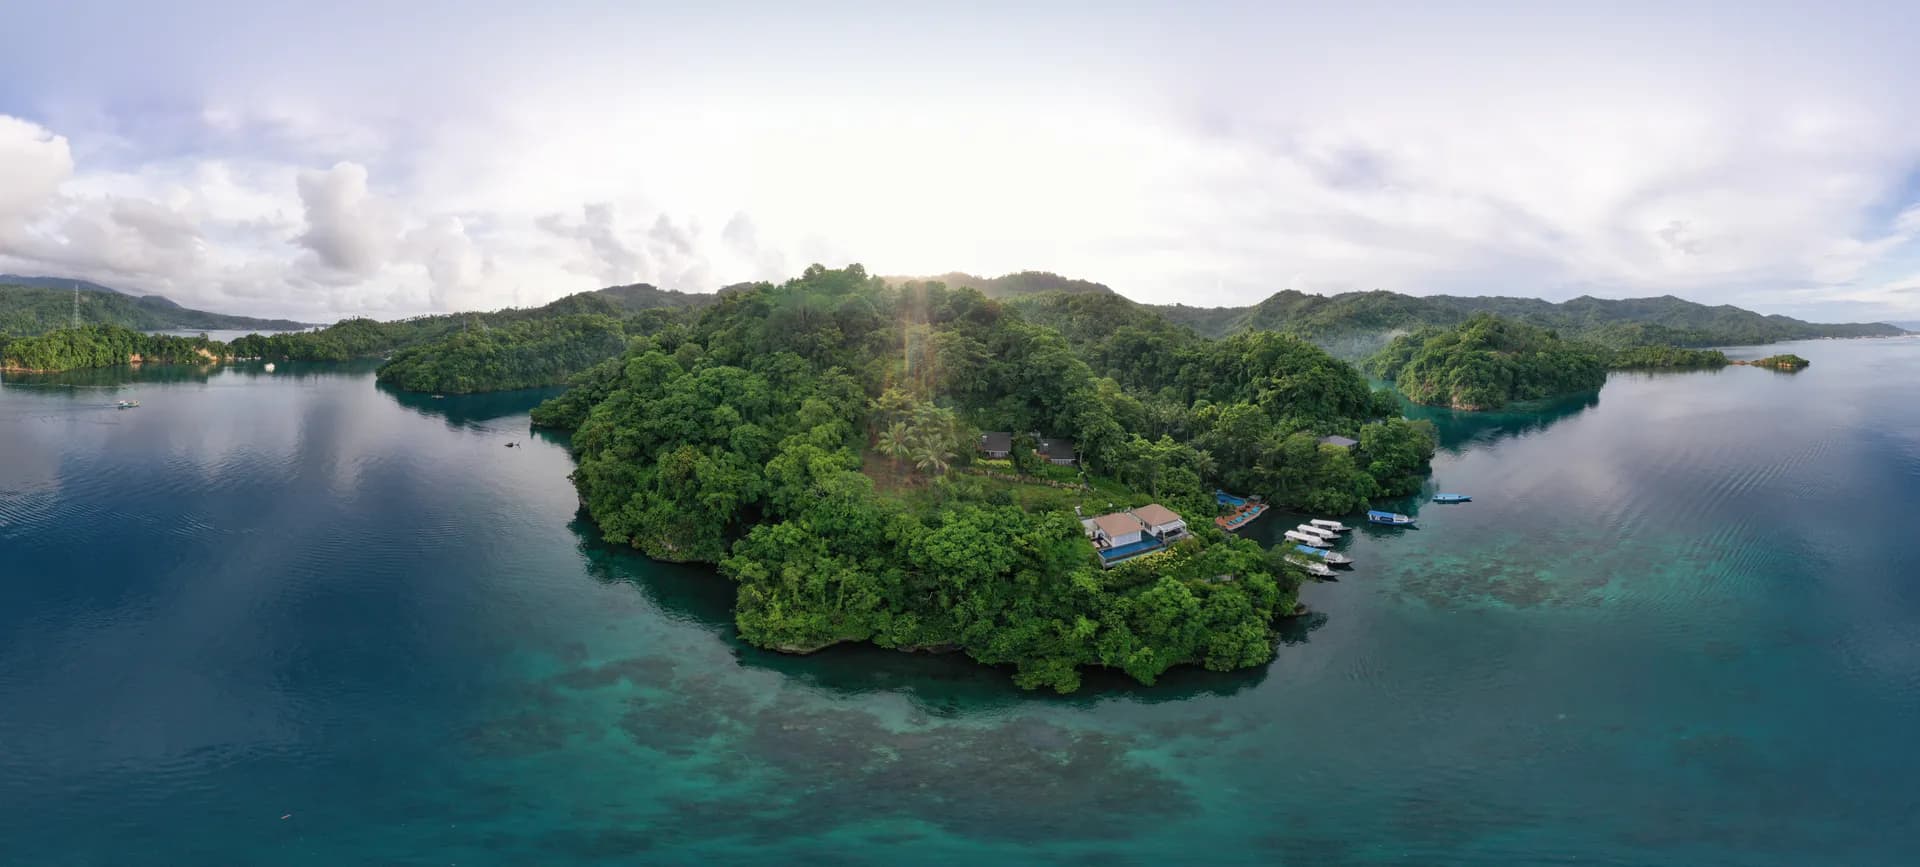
<point x="1013" y="285"/>
<point x="1357" y="324"/>
<point x="65" y="283"/>
<point x="31" y="309"/>
<point x="643" y="296"/>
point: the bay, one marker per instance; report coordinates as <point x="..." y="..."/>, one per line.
<point x="294" y="618"/>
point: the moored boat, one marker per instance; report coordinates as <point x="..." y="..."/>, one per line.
<point x="1452" y="498"/>
<point x="1303" y="538"/>
<point x="1325" y="524"/>
<point x="1320" y="532"/>
<point x="1312" y="567"/>
<point x="1326" y="556"/>
<point x="1391" y="519"/>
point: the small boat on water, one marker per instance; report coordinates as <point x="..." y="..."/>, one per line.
<point x="1312" y="567"/>
<point x="1304" y="538"/>
<point x="1325" y="556"/>
<point x="1325" y="524"/>
<point x="1320" y="532"/>
<point x="1452" y="498"/>
<point x="128" y="404"/>
<point x="1391" y="519"/>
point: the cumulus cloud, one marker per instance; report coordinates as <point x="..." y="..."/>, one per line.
<point x="349" y="232"/>
<point x="33" y="164"/>
<point x="452" y="260"/>
<point x="741" y="237"/>
<point x="604" y="254"/>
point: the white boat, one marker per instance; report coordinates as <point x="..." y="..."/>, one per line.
<point x="1317" y="570"/>
<point x="269" y="367"/>
<point x="1308" y="539"/>
<point x="1325" y="524"/>
<point x="1322" y="532"/>
<point x="128" y="404"/>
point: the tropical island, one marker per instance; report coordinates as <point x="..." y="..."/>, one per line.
<point x="1785" y="361"/>
<point x="857" y="457"/>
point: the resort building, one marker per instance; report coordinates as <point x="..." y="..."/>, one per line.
<point x="1058" y="451"/>
<point x="1161" y="522"/>
<point x="997" y="444"/>
<point x="1114" y="530"/>
<point x="1121" y="536"/>
<point x="1340" y="441"/>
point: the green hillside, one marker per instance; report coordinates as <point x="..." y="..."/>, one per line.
<point x="26" y="310"/>
<point x="1355" y="325"/>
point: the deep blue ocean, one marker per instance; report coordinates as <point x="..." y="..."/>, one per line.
<point x="292" y="618"/>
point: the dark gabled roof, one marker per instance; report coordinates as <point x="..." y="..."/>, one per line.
<point x="1340" y="441"/>
<point x="1057" y="448"/>
<point x="996" y="441"/>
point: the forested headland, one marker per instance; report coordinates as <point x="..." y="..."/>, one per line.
<point x="816" y="440"/>
<point x="1486" y="363"/>
<point x="104" y="346"/>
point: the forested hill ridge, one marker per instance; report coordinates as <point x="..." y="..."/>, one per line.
<point x="1356" y="324"/>
<point x="818" y="440"/>
<point x="42" y="307"/>
<point x="1012" y="285"/>
<point x="452" y="352"/>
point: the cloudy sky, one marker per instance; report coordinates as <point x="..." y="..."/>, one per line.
<point x="396" y="158"/>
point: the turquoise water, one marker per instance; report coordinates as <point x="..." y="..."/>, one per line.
<point x="292" y="618"/>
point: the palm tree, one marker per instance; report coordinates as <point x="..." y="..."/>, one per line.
<point x="896" y="442"/>
<point x="932" y="456"/>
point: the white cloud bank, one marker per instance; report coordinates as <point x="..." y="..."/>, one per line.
<point x="1184" y="153"/>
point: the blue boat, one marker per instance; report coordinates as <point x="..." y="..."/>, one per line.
<point x="1391" y="519"/>
<point x="1452" y="498"/>
<point x="1334" y="557"/>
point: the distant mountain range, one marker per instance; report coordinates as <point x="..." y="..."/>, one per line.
<point x="1350" y="324"/>
<point x="1354" y="324"/>
<point x="31" y="305"/>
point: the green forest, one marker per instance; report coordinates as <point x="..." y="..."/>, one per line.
<point x="104" y="346"/>
<point x="815" y="440"/>
<point x="1486" y="363"/>
<point x="524" y="354"/>
<point x="1664" y="358"/>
